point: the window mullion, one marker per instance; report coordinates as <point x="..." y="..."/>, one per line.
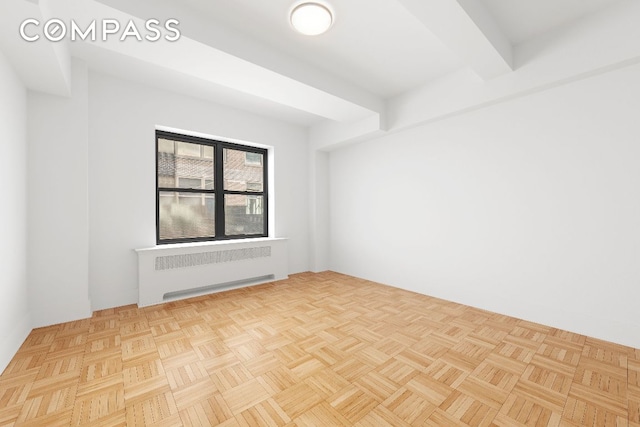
<point x="219" y="188"/>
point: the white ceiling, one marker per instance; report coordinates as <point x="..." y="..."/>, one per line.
<point x="523" y="20"/>
<point x="376" y="44"/>
<point x="244" y="54"/>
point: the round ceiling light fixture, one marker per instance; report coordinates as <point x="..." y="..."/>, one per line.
<point x="311" y="18"/>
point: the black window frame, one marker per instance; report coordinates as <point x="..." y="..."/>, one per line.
<point x="218" y="188"/>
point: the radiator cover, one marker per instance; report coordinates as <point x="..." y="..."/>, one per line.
<point x="167" y="273"/>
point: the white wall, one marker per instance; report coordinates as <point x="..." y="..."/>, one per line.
<point x="122" y="121"/>
<point x="15" y="323"/>
<point x="319" y="225"/>
<point x="58" y="204"/>
<point x="530" y="208"/>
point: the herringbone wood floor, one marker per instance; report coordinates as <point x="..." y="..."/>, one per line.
<point x="317" y="350"/>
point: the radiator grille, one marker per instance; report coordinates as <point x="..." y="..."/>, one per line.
<point x="191" y="260"/>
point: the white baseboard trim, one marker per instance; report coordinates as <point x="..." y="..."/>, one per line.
<point x="604" y="327"/>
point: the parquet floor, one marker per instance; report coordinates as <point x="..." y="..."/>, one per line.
<point x="317" y="350"/>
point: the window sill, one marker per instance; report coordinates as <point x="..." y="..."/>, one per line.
<point x="214" y="244"/>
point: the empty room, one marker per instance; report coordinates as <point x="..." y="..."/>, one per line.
<point x="320" y="213"/>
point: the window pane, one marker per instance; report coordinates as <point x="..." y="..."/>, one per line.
<point x="186" y="215"/>
<point x="240" y="175"/>
<point x="243" y="214"/>
<point x="187" y="168"/>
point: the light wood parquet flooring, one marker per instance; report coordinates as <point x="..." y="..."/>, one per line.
<point x="317" y="350"/>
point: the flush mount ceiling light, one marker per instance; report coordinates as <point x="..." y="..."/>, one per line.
<point x="311" y="18"/>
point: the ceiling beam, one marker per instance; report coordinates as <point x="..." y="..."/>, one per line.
<point x="593" y="45"/>
<point x="42" y="65"/>
<point x="232" y="68"/>
<point x="469" y="30"/>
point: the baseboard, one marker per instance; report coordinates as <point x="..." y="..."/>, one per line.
<point x="10" y="345"/>
<point x="606" y="328"/>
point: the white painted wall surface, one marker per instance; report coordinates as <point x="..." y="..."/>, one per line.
<point x="529" y="208"/>
<point x="58" y="204"/>
<point x="319" y="211"/>
<point x="122" y="121"/>
<point x="15" y="322"/>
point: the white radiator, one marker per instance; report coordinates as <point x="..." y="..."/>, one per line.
<point x="167" y="273"/>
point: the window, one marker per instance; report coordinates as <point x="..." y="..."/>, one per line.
<point x="209" y="190"/>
